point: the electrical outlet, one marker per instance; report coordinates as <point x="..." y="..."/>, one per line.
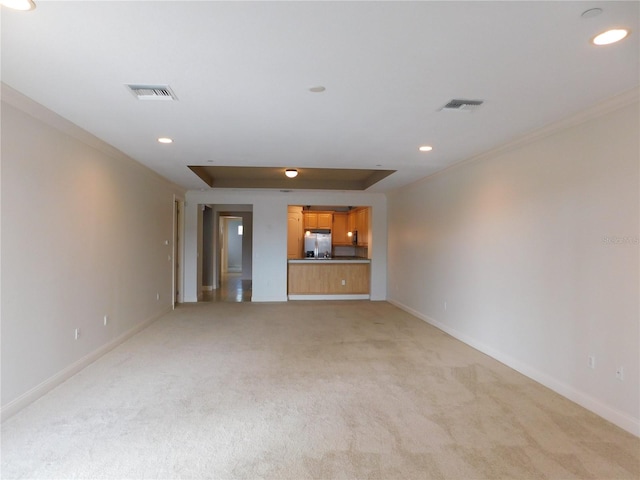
<point x="106" y="320"/>
<point x="77" y="334"/>
<point x="592" y="361"/>
<point x="344" y="282"/>
<point x="620" y="373"/>
<point x="157" y="296"/>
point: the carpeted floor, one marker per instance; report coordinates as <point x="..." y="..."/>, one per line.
<point x="324" y="390"/>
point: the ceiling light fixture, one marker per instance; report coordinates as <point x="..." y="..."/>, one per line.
<point x="22" y="5"/>
<point x="165" y="140"/>
<point x="610" y="36"/>
<point x="425" y="148"/>
<point x="592" y="12"/>
<point x="291" y="172"/>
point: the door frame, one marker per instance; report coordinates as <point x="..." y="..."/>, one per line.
<point x="224" y="210"/>
<point x="177" y="276"/>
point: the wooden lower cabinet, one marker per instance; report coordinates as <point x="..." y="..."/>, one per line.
<point x="326" y="278"/>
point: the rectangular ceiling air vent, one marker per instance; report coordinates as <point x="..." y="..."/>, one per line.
<point x="152" y="92"/>
<point x="456" y="105"/>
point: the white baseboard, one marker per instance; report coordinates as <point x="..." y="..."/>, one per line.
<point x="354" y="296"/>
<point x="621" y="419"/>
<point x="268" y="299"/>
<point x="207" y="288"/>
<point x="38" y="391"/>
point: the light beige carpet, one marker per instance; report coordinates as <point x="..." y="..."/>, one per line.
<point x="333" y="390"/>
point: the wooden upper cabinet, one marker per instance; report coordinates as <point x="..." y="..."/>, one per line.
<point x="325" y="220"/>
<point x="339" y="223"/>
<point x="310" y="220"/>
<point x="318" y="220"/>
<point x="340" y="228"/>
<point x="352" y="221"/>
<point x="362" y="225"/>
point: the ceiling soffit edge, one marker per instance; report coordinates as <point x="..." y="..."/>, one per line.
<point x="273" y="178"/>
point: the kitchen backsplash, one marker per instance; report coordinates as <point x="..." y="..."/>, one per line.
<point x="350" y="251"/>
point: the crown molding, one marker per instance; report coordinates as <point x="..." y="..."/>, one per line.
<point x="604" y="107"/>
<point x="14" y="98"/>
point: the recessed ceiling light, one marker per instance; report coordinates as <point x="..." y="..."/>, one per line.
<point x="318" y="89"/>
<point x="22" y="5"/>
<point x="165" y="140"/>
<point x="291" y="172"/>
<point x="610" y="36"/>
<point x="425" y="148"/>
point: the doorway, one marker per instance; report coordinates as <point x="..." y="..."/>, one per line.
<point x="227" y="254"/>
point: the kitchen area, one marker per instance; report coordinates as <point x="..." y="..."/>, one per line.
<point x="328" y="255"/>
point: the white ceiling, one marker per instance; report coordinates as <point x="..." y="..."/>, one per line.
<point x="242" y="73"/>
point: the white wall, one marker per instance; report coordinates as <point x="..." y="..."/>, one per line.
<point x="270" y="236"/>
<point x="234" y="245"/>
<point x="519" y="246"/>
<point x="83" y="231"/>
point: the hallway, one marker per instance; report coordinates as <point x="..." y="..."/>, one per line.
<point x="232" y="289"/>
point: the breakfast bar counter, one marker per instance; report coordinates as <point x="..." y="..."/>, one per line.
<point x="337" y="278"/>
<point x="330" y="260"/>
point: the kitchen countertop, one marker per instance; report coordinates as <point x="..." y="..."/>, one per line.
<point x="330" y="260"/>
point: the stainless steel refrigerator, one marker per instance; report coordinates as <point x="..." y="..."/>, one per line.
<point x="317" y="243"/>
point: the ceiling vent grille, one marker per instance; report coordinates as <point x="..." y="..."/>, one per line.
<point x="152" y="92"/>
<point x="456" y="105"/>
